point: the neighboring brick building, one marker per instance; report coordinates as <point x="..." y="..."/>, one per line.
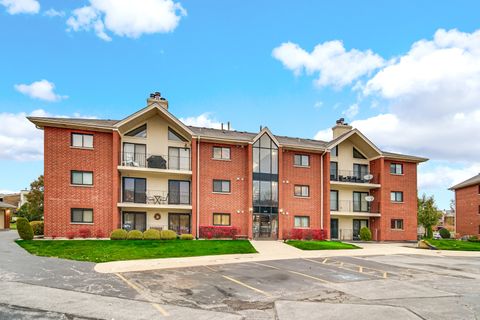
<point x="150" y="170"/>
<point x="467" y="206"/>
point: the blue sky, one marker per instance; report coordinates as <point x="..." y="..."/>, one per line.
<point x="218" y="58"/>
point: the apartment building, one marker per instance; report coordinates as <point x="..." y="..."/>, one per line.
<point x="150" y="170"/>
<point x="467" y="206"/>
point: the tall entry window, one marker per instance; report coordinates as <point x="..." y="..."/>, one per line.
<point x="265" y="188"/>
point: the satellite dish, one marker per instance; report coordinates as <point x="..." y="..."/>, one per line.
<point x="368" y="177"/>
<point x="369" y="198"/>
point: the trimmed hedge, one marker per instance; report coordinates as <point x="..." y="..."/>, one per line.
<point x="444" y="233"/>
<point x="186" y="236"/>
<point x="365" y="234"/>
<point x="135" y="235"/>
<point x="168" y="235"/>
<point x="37" y="227"/>
<point x="209" y="232"/>
<point x="118" y="234"/>
<point x="24" y="229"/>
<point x="151" y="234"/>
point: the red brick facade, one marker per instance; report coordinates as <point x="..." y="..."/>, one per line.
<point x="103" y="197"/>
<point x="61" y="196"/>
<point x="467" y="202"/>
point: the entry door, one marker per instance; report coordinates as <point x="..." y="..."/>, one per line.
<point x="135" y="221"/>
<point x="334" y="228"/>
<point x="357" y="225"/>
<point x="179" y="222"/>
<point x="265" y="226"/>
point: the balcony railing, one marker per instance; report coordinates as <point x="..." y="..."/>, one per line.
<point x="157" y="197"/>
<point x="155" y="161"/>
<point x="353" y="176"/>
<point x="354" y="206"/>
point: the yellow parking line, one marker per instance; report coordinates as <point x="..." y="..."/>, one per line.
<point x="241" y="283"/>
<point x="309" y="276"/>
<point x="361" y="269"/>
<point x="265" y="265"/>
<point x="159" y="308"/>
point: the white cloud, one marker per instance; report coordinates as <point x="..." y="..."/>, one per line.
<point x="335" y="65"/>
<point x="19" y="139"/>
<point x="318" y="104"/>
<point x="445" y="176"/>
<point x="127" y="18"/>
<point x="54" y="13"/>
<point x="21" y="6"/>
<point x="352" y="111"/>
<point x="324" y="135"/>
<point x="42" y="90"/>
<point x="202" y="120"/>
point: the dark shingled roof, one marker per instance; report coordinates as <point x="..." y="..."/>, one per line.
<point x="467" y="183"/>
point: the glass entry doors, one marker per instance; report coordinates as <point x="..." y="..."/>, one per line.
<point x="134" y="221"/>
<point x="179" y="222"/>
<point x="357" y="225"/>
<point x="265" y="226"/>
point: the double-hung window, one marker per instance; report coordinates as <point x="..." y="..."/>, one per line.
<point x="396" y="196"/>
<point x="302" y="191"/>
<point x="301" y="160"/>
<point x="81" y="178"/>
<point x="396" y="168"/>
<point x="396" y="224"/>
<point x="221" y="153"/>
<point x="78" y="215"/>
<point x="82" y="140"/>
<point x="222" y="186"/>
<point x="302" y="222"/>
<point x="221" y="219"/>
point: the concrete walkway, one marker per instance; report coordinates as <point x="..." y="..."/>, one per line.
<point x="272" y="250"/>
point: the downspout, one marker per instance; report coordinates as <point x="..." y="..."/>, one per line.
<point x="321" y="189"/>
<point x="198" y="187"/>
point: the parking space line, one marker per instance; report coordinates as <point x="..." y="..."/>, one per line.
<point x="265" y="265"/>
<point x="309" y="276"/>
<point x="241" y="283"/>
<point x="361" y="269"/>
<point x="159" y="308"/>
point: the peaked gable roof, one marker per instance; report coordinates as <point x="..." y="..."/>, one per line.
<point x="267" y="132"/>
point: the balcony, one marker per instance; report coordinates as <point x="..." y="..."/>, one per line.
<point x="357" y="178"/>
<point x="354" y="208"/>
<point x="130" y="161"/>
<point x="156" y="199"/>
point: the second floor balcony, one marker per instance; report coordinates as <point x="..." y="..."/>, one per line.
<point x="155" y="161"/>
<point x="351" y="206"/>
<point x="156" y="198"/>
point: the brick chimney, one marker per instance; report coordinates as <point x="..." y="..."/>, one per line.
<point x="157" y="98"/>
<point x="340" y="128"/>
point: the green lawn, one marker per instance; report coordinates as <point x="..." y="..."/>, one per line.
<point x="108" y="250"/>
<point x="458" y="245"/>
<point x="13" y="226"/>
<point x="321" y="245"/>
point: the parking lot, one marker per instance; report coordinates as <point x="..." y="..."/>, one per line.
<point x="406" y="286"/>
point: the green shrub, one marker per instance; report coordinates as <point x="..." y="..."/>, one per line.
<point x="473" y="239"/>
<point x="365" y="234"/>
<point x="24" y="229"/>
<point x="151" y="234"/>
<point x="118" y="234"/>
<point x="135" y="235"/>
<point x="37" y="227"/>
<point x="186" y="236"/>
<point x="168" y="235"/>
<point x="444" y="233"/>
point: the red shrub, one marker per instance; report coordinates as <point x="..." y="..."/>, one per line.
<point x="218" y="232"/>
<point x="99" y="234"/>
<point x="70" y="235"/>
<point x="53" y="236"/>
<point x="84" y="233"/>
<point x="306" y="234"/>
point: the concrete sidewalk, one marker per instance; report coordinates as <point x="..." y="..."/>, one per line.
<point x="272" y="250"/>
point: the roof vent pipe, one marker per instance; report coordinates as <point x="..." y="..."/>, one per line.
<point x="228" y="125"/>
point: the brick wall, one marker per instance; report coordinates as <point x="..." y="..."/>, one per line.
<point x="235" y="170"/>
<point x="467" y="210"/>
<point x="407" y="210"/>
<point x="291" y="176"/>
<point x="60" y="196"/>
